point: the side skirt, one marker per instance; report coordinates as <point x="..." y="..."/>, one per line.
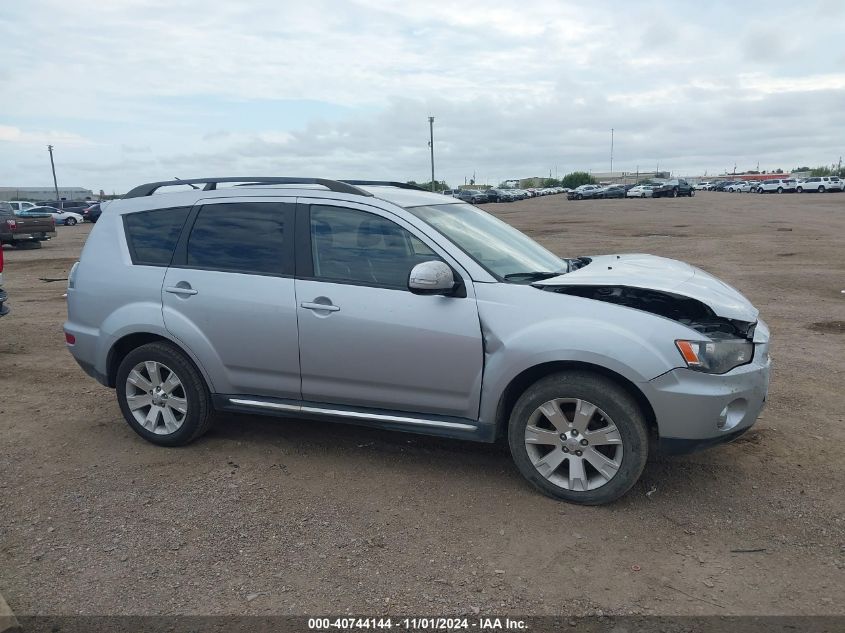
<point x="439" y="425"/>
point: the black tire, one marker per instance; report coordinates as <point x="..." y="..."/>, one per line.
<point x="70" y="222"/>
<point x="759" y="190"/>
<point x="579" y="197"/>
<point x="200" y="415"/>
<point x="821" y="190"/>
<point x="642" y="195"/>
<point x="675" y="192"/>
<point x="608" y="396"/>
<point x="780" y="189"/>
<point x="800" y="190"/>
<point x="29" y="245"/>
<point x="691" y="193"/>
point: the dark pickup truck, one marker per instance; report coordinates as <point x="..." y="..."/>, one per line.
<point x="26" y="230"/>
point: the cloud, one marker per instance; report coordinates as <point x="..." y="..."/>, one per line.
<point x="343" y="88"/>
<point x="11" y="134"/>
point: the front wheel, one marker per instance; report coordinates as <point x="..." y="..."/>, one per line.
<point x="780" y="189"/>
<point x="800" y="190"/>
<point x="691" y="193"/>
<point x="821" y="189"/>
<point x="579" y="437"/>
<point x="70" y="222"/>
<point x="675" y="192"/>
<point x="163" y="396"/>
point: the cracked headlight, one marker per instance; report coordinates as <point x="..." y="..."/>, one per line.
<point x="716" y="357"/>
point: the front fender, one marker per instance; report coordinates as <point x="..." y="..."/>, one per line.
<point x="548" y="327"/>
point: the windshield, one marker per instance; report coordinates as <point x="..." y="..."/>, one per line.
<point x="494" y="244"/>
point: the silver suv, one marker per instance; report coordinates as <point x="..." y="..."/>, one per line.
<point x="386" y="305"/>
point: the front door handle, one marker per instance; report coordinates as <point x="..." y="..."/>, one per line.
<point x="326" y="307"/>
<point x="179" y="290"/>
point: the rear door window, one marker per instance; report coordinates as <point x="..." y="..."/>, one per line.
<point x="242" y="237"/>
<point x="152" y="235"/>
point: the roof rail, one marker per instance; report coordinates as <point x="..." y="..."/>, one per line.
<point x="150" y="188"/>
<point x="385" y="183"/>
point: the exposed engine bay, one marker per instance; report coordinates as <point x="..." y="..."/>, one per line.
<point x="690" y="312"/>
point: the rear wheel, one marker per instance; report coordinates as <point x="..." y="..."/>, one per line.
<point x="780" y="189"/>
<point x="821" y="190"/>
<point x="675" y="192"/>
<point x="163" y="396"/>
<point x="800" y="190"/>
<point x="579" y="437"/>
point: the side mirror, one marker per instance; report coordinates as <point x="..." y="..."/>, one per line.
<point x="431" y="278"/>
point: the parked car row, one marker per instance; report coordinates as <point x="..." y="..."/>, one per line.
<point x="657" y="189"/>
<point x="68" y="212"/>
<point x="479" y="196"/>
<point x="814" y="184"/>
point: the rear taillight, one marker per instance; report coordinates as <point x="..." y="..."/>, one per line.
<point x="12" y="224"/>
<point x="52" y="221"/>
<point x="70" y="339"/>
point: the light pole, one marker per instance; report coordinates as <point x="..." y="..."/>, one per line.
<point x="53" y="166"/>
<point x="611" y="152"/>
<point x="431" y="146"/>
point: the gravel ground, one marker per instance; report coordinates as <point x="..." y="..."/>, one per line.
<point x="296" y="517"/>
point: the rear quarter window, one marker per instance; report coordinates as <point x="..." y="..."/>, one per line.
<point x="152" y="235"/>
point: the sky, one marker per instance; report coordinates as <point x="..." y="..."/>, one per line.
<point x="131" y="91"/>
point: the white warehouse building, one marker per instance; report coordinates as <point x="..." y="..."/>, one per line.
<point x="40" y="194"/>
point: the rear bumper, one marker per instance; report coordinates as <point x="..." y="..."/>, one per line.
<point x="33" y="236"/>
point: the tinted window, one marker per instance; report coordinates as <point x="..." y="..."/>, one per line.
<point x="245" y="237"/>
<point x="152" y="235"/>
<point x="358" y="247"/>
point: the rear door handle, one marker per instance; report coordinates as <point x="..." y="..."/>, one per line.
<point x="177" y="290"/>
<point x="319" y="306"/>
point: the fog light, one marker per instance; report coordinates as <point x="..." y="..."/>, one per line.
<point x="732" y="414"/>
<point x="723" y="419"/>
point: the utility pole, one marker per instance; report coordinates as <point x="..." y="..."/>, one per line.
<point x="431" y="146"/>
<point x="611" y="152"/>
<point x="53" y="166"/>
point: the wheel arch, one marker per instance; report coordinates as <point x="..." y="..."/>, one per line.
<point x="125" y="344"/>
<point x="519" y="383"/>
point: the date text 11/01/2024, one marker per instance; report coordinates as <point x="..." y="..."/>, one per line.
<point x="417" y="624"/>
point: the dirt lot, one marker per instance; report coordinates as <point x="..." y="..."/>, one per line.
<point x="265" y="516"/>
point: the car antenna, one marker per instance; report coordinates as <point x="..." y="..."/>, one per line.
<point x="187" y="183"/>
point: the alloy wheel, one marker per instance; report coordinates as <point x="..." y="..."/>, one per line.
<point x="156" y="397"/>
<point x="573" y="444"/>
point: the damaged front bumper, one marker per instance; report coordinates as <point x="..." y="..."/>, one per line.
<point x="695" y="410"/>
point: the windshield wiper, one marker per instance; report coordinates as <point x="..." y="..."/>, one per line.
<point x="536" y="275"/>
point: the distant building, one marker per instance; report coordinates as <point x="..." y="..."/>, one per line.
<point x="40" y="194"/>
<point x="627" y="177"/>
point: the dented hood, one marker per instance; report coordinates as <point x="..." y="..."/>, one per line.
<point x="663" y="274"/>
